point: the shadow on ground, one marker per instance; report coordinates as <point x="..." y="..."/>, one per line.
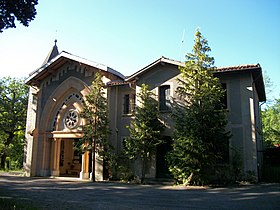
<point x="65" y="193"/>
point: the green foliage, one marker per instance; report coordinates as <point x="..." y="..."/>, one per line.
<point x="96" y="114"/>
<point x="144" y="130"/>
<point x="23" y="11"/>
<point x="200" y="138"/>
<point x="13" y="109"/>
<point x="96" y="130"/>
<point x="122" y="169"/>
<point x="269" y="86"/>
<point x="271" y="125"/>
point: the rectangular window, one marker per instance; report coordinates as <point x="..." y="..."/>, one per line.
<point x="224" y="98"/>
<point x="132" y="103"/>
<point x="126" y="104"/>
<point x="129" y="103"/>
<point x="164" y="98"/>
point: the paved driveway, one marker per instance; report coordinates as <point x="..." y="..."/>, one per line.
<point x="66" y="193"/>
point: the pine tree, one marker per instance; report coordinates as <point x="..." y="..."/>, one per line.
<point x="145" y="130"/>
<point x="96" y="130"/>
<point x="200" y="138"/>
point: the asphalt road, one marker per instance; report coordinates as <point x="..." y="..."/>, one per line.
<point x="65" y="193"/>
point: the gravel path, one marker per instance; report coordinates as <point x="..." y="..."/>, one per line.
<point x="67" y="193"/>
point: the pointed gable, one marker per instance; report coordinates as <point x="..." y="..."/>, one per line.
<point x="53" y="53"/>
<point x="49" y="68"/>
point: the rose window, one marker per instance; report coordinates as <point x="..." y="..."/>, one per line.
<point x="72" y="119"/>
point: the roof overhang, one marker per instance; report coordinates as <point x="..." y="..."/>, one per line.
<point x="254" y="69"/>
<point x="50" y="67"/>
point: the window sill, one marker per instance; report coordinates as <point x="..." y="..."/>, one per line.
<point x="165" y="111"/>
<point x="127" y="115"/>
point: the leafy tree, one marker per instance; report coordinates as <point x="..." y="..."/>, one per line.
<point x="269" y="86"/>
<point x="96" y="130"/>
<point x="13" y="107"/>
<point x="271" y="125"/>
<point x="200" y="139"/>
<point x="144" y="130"/>
<point x="22" y="10"/>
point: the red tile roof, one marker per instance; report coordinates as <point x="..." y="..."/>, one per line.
<point x="117" y="82"/>
<point x="239" y="67"/>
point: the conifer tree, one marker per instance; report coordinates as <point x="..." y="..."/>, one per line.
<point x="96" y="130"/>
<point x="145" y="130"/>
<point x="200" y="138"/>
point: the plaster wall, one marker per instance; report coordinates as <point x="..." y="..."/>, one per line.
<point x="243" y="116"/>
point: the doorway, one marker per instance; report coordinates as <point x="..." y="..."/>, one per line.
<point x="161" y="162"/>
<point x="70" y="160"/>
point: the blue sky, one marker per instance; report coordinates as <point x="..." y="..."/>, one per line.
<point x="128" y="35"/>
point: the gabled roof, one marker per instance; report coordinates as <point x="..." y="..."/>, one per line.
<point x="255" y="69"/>
<point x="158" y="61"/>
<point x="54" y="63"/>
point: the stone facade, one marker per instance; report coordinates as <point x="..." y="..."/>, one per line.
<point x="58" y="88"/>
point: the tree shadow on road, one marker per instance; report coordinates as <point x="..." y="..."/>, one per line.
<point x="50" y="193"/>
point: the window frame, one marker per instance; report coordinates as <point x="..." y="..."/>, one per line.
<point x="128" y="103"/>
<point x="224" y="99"/>
<point x="164" y="99"/>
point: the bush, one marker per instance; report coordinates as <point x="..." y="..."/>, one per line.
<point x="122" y="169"/>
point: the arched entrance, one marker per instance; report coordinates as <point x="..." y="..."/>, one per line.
<point x="63" y="125"/>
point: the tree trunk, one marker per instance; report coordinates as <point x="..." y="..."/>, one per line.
<point x="143" y="170"/>
<point x="93" y="161"/>
<point x="3" y="161"/>
<point x="8" y="164"/>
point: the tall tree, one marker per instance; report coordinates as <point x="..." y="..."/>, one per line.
<point x="271" y="125"/>
<point x="96" y="130"/>
<point x="145" y="130"/>
<point x="22" y="10"/>
<point x="200" y="138"/>
<point x="13" y="108"/>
